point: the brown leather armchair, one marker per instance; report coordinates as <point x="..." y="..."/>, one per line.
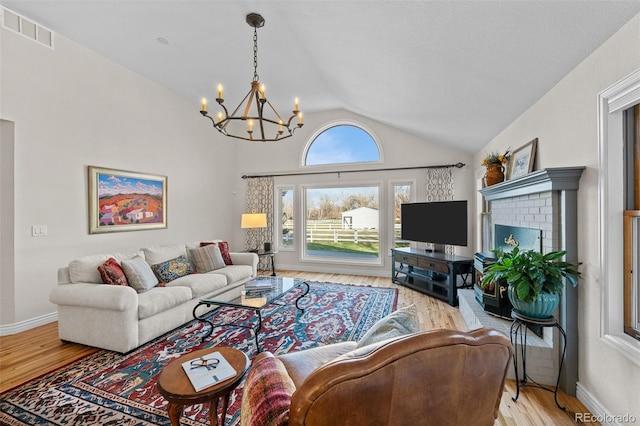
<point x="439" y="377"/>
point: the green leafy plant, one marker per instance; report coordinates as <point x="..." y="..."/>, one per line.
<point x="496" y="158"/>
<point x="531" y="273"/>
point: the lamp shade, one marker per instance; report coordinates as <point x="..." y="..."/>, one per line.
<point x="253" y="220"/>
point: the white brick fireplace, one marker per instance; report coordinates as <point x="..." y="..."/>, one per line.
<point x="544" y="200"/>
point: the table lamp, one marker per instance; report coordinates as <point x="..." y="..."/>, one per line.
<point x="251" y="221"/>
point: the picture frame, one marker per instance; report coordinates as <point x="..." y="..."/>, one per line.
<point x="521" y="161"/>
<point x="122" y="200"/>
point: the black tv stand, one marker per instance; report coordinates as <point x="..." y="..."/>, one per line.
<point x="432" y="273"/>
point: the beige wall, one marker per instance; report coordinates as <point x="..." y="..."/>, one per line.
<point x="73" y="108"/>
<point x="565" y="123"/>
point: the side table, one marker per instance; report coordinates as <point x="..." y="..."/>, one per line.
<point x="271" y="254"/>
<point x="519" y="322"/>
<point x="175" y="386"/>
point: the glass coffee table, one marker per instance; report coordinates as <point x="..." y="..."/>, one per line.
<point x="257" y="293"/>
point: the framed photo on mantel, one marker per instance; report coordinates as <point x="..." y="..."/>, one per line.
<point x="121" y="200"/>
<point x="522" y="159"/>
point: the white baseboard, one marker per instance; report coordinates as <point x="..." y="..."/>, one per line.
<point x="9" y="329"/>
<point x="598" y="412"/>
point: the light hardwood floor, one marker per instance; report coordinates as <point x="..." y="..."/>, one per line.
<point x="27" y="355"/>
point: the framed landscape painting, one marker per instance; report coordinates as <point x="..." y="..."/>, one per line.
<point x="121" y="200"/>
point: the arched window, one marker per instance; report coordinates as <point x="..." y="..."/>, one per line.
<point x="343" y="143"/>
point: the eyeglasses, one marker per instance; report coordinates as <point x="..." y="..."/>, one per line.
<point x="209" y="364"/>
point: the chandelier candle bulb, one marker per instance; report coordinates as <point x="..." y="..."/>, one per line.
<point x="280" y="127"/>
<point x="250" y="125"/>
<point x="299" y="118"/>
<point x="219" y="91"/>
<point x="219" y="116"/>
<point x="204" y="104"/>
<point x="295" y="104"/>
<point x="262" y="90"/>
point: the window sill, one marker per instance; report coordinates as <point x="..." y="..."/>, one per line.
<point x="626" y="345"/>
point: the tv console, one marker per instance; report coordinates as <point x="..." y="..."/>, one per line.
<point x="432" y="273"/>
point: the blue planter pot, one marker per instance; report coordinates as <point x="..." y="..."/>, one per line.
<point x="541" y="308"/>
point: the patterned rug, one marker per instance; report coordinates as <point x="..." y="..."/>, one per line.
<point x="109" y="388"/>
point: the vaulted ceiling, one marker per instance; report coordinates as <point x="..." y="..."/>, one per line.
<point x="451" y="72"/>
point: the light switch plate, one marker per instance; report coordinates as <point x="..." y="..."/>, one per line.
<point x="38" y="230"/>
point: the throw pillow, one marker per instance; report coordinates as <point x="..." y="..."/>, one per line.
<point x="172" y="269"/>
<point x="398" y="323"/>
<point x="207" y="258"/>
<point x="266" y="397"/>
<point x="139" y="274"/>
<point x="224" y="250"/>
<point x="158" y="254"/>
<point x="111" y="273"/>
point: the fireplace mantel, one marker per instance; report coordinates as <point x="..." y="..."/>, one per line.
<point x="552" y="179"/>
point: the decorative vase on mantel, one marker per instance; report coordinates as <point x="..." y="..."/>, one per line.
<point x="494" y="174"/>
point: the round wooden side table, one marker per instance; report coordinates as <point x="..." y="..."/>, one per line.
<point x="175" y="386"/>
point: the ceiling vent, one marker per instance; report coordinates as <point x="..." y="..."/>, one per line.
<point x="22" y="25"/>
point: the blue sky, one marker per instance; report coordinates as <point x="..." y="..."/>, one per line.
<point x="112" y="185"/>
<point x="342" y="144"/>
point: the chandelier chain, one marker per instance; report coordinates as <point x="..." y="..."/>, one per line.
<point x="255" y="55"/>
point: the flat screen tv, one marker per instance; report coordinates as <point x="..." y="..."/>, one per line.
<point x="440" y="222"/>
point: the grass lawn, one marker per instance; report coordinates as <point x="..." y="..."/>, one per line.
<point x="345" y="247"/>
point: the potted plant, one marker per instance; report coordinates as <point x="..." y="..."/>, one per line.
<point x="494" y="162"/>
<point x="535" y="279"/>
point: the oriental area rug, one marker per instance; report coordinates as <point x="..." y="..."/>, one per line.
<point x="108" y="388"/>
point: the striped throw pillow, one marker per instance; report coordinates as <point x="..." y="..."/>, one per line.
<point x="207" y="258"/>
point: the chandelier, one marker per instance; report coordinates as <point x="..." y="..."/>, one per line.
<point x="254" y="119"/>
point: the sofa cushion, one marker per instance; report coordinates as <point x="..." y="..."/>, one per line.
<point x="111" y="273"/>
<point x="207" y="258"/>
<point x="139" y="274"/>
<point x="224" y="250"/>
<point x="160" y="299"/>
<point x="85" y="269"/>
<point x="398" y="323"/>
<point x="267" y="394"/>
<point x="159" y="254"/>
<point x="200" y="284"/>
<point x="234" y="273"/>
<point x="169" y="270"/>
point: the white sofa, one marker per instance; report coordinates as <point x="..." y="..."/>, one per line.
<point x="120" y="319"/>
